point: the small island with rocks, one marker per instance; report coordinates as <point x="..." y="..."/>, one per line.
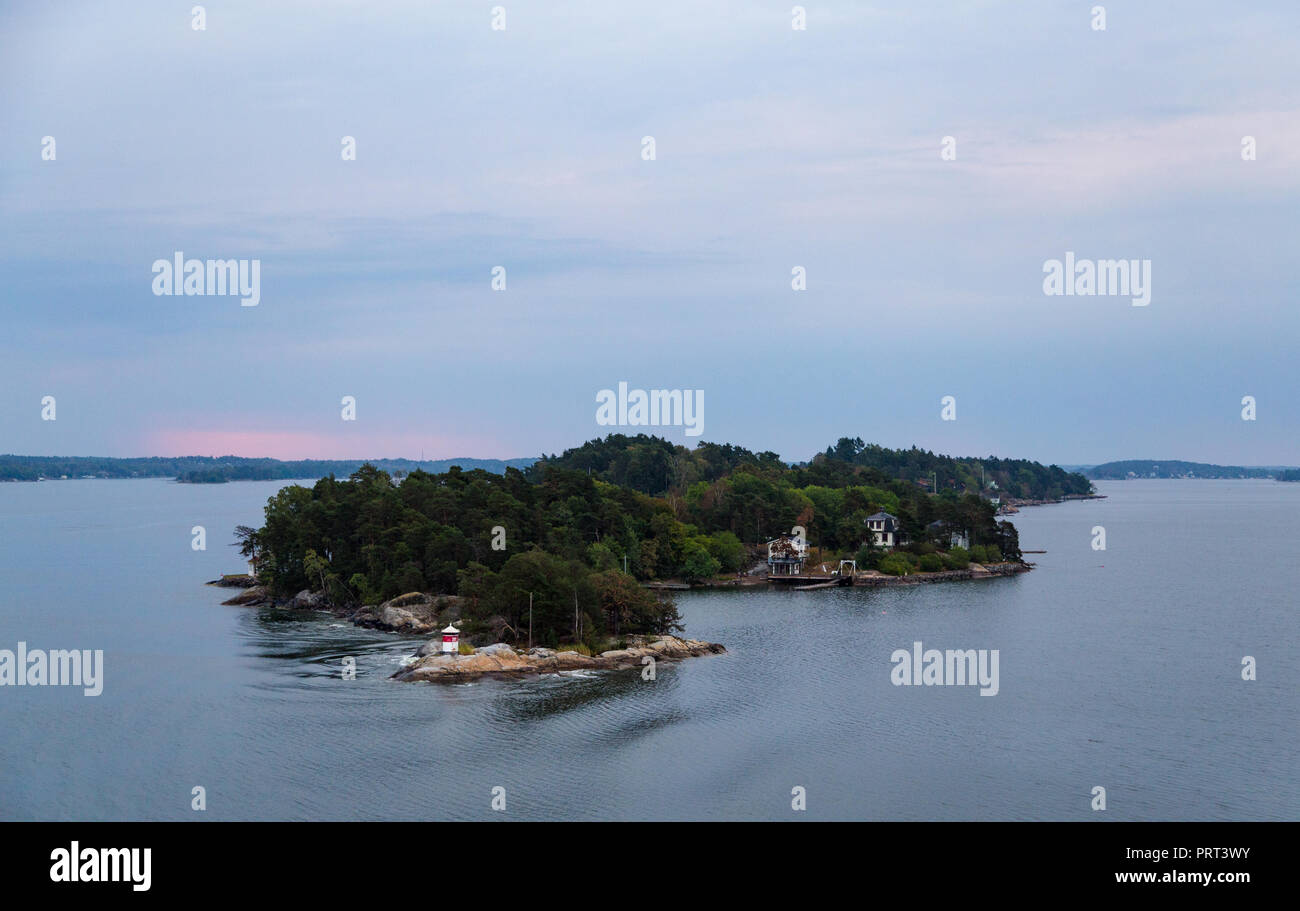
<point x="420" y="614"/>
<point x="573" y="563"/>
<point x="503" y="660"/>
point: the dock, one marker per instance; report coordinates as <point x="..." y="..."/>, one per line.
<point x="808" y="581"/>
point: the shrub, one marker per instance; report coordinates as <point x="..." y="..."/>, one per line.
<point x="958" y="558"/>
<point x="931" y="563"/>
<point x="894" y="565"/>
<point x="360" y="584"/>
<point x="699" y="563"/>
<point x="869" y="557"/>
<point x="466" y="648"/>
<point x="727" y="550"/>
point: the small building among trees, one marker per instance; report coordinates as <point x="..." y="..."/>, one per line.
<point x="948" y="535"/>
<point x="885" y="530"/>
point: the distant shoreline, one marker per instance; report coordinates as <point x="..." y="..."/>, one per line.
<point x="1013" y="505"/>
<point x="223" y="469"/>
<point x="1176" y="469"/>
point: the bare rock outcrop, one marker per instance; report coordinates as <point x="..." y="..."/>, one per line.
<point x="502" y="659"/>
<point x="256" y="595"/>
<point x="414" y="612"/>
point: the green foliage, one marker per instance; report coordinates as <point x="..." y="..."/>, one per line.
<point x="869" y="556"/>
<point x="360" y="586"/>
<point x="600" y="557"/>
<point x="957" y="558"/>
<point x="931" y="563"/>
<point x="1015" y="477"/>
<point x="625" y="606"/>
<point x="699" y="564"/>
<point x="1007" y="540"/>
<point x="727" y="549"/>
<point x="573" y="520"/>
<point x="895" y="564"/>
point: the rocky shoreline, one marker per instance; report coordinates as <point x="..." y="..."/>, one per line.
<point x="1012" y="505"/>
<point x="416" y="613"/>
<point x="419" y="614"/>
<point x="976" y="571"/>
<point x="501" y="659"/>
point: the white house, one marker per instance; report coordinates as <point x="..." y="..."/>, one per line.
<point x="956" y="537"/>
<point x="786" y="555"/>
<point x="885" y="528"/>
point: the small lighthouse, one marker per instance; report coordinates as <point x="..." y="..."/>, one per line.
<point x="450" y="640"/>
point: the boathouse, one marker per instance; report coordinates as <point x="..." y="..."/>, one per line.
<point x="786" y="555"/>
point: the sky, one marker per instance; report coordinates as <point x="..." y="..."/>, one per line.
<point x="774" y="148"/>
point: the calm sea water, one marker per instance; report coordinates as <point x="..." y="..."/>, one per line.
<point x="1118" y="668"/>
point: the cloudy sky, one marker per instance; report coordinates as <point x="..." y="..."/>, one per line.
<point x="774" y="148"/>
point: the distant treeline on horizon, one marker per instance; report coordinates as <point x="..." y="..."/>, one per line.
<point x="219" y="470"/>
<point x="649" y="464"/>
<point x="1154" y="468"/>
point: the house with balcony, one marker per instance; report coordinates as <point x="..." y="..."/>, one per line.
<point x="786" y="555"/>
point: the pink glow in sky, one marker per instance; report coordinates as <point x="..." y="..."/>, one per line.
<point x="298" y="444"/>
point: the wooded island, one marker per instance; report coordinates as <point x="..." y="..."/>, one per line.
<point x="580" y="534"/>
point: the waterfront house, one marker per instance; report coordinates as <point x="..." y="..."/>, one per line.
<point x="886" y="530"/>
<point x="786" y="555"/>
<point x="944" y="533"/>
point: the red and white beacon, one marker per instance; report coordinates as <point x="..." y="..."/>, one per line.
<point x="450" y="640"/>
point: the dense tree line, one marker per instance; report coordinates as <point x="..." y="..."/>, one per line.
<point x="655" y="466"/>
<point x="1018" y="478"/>
<point x="493" y="539"/>
<point x="582" y="543"/>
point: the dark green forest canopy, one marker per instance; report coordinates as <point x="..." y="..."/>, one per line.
<point x="568" y="527"/>
<point x="655" y="466"/>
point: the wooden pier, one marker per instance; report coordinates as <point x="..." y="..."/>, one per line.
<point x="808" y="581"/>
